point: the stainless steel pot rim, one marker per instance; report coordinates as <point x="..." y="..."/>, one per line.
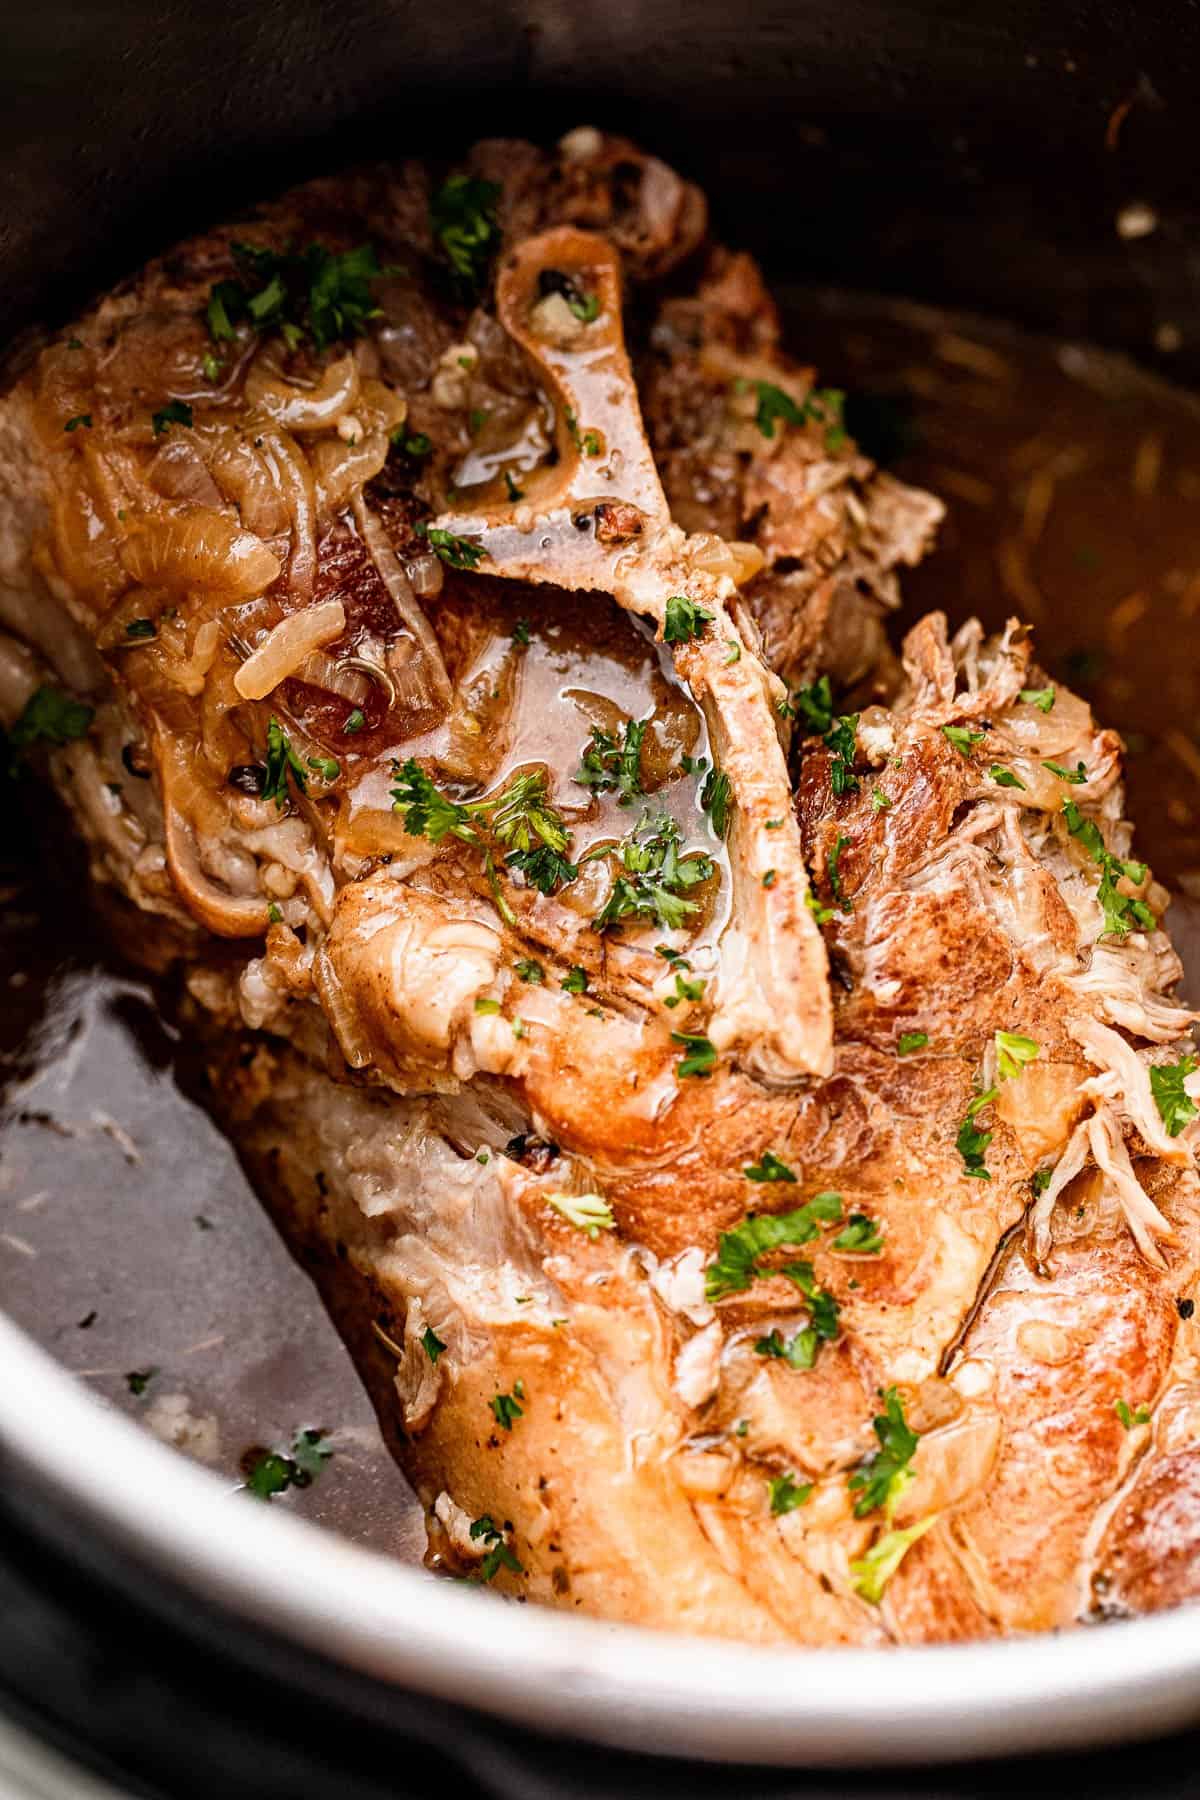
<point x="615" y="1684"/>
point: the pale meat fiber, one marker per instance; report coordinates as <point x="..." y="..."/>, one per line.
<point x="728" y="1080"/>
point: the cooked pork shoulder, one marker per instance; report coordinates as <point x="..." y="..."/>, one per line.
<point x="748" y="1146"/>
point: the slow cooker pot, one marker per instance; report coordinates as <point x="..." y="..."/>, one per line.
<point x="1031" y="162"/>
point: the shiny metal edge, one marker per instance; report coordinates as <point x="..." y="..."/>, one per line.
<point x="612" y="1684"/>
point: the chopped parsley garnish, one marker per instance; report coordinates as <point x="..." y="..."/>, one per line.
<point x="716" y="798"/>
<point x="842" y="739"/>
<point x="274" y="914"/>
<point x="281" y="761"/>
<point x="733" y="653"/>
<point x="49" y="717"/>
<point x="971" y="1143"/>
<point x="700" y="1056"/>
<point x="355" y="722"/>
<point x="520" y="634"/>
<point x="768" y="1168"/>
<point x="833" y="870"/>
<point x="531" y="971"/>
<point x="1005" y="778"/>
<point x="1121" y="912"/>
<point x="654" y="875"/>
<point x="822" y="914"/>
<point x="322" y="293"/>
<point x="432" y="1344"/>
<point x="1130" y="1418"/>
<point x="1013" y="1052"/>
<point x="799" y="1351"/>
<point x="824" y="405"/>
<point x="873" y="1571"/>
<point x="80" y="419"/>
<point x="138" y="1380"/>
<point x="1042" y="698"/>
<point x="607" y="766"/>
<point x="814" y="706"/>
<point x="575" y="981"/>
<point x="455" y="552"/>
<point x="175" y="412"/>
<point x="487" y="1005"/>
<point x="683" y="620"/>
<point x="862" y="1236"/>
<point x="962" y="738"/>
<point x="327" y="767"/>
<point x="1076" y="776"/>
<point x="1041" y="1180"/>
<point x="463" y="216"/>
<point x="585" y="306"/>
<point x="1176" y="1107"/>
<point x="685" y="990"/>
<point x="140" y="628"/>
<point x="507" y="1408"/>
<point x="740" y="1252"/>
<point x="879" y="800"/>
<point x="275" y="1470"/>
<point x="416" y="444"/>
<point x="587" y="1212"/>
<point x="909" y="1041"/>
<point x="499" y="1555"/>
<point x="521" y="822"/>
<point x="882" y="1477"/>
<point x="786" y="1493"/>
<point x="586" y="441"/>
<point x="211" y="367"/>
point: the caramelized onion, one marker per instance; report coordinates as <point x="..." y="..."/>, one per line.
<point x="339" y="678"/>
<point x="299" y="408"/>
<point x="243" y="477"/>
<point x="397" y="584"/>
<point x="199" y="549"/>
<point x="294" y="477"/>
<point x="340" y="470"/>
<point x="287" y="646"/>
<point x="426" y="574"/>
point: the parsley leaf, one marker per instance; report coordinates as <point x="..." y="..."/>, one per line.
<point x="654" y="874"/>
<point x="425" y="811"/>
<point x="463" y="217"/>
<point x="1121" y="911"/>
<point x="499" y="1555"/>
<point x="911" y="1040"/>
<point x="786" y="1493"/>
<point x="1042" y="698"/>
<point x="607" y="766"/>
<point x="49" y="717"/>
<point x="275" y="1470"/>
<point x="507" y="1408"/>
<point x="1005" y="778"/>
<point x="971" y="1143"/>
<point x="962" y="738"/>
<point x="455" y="552"/>
<point x="281" y="761"/>
<point x="740" y="1252"/>
<point x="881" y="1478"/>
<point x="833" y="870"/>
<point x="700" y="1056"/>
<point x="1013" y="1052"/>
<point x="175" y="412"/>
<point x="432" y="1344"/>
<point x="684" y="620"/>
<point x="1076" y="776"/>
<point x="588" y="1212"/>
<point x="862" y="1236"/>
<point x="799" y="1351"/>
<point x="138" y="1380"/>
<point x="80" y="419"/>
<point x="824" y="405"/>
<point x="768" y="1168"/>
<point x="1176" y="1107"/>
<point x="575" y="981"/>
<point x="842" y="739"/>
<point x="322" y="293"/>
<point x="1130" y="1418"/>
<point x="716" y="798"/>
<point x="814" y="706"/>
<point x="685" y="990"/>
<point x="873" y="1571"/>
<point x="531" y="971"/>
